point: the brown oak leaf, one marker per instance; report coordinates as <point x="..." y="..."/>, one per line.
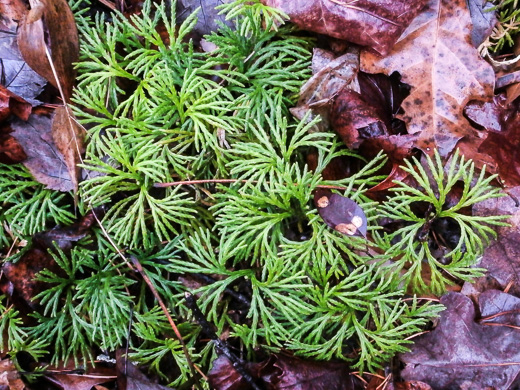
<point x="435" y="56"/>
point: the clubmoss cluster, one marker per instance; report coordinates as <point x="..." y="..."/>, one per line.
<point x="264" y="266"/>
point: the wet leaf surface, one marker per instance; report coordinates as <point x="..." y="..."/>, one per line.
<point x="287" y="373"/>
<point x="82" y="381"/>
<point x="45" y="162"/>
<point x="208" y="17"/>
<point x="461" y="353"/>
<point x="503" y="139"/>
<point x="502" y="257"/>
<point x="371" y="23"/>
<point x="341" y="213"/>
<point x="10" y="103"/>
<point x="435" y="56"/>
<point x="15" y="74"/>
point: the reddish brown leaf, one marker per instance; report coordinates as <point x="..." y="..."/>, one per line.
<point x="341" y="213"/>
<point x="460" y="353"/>
<point x="69" y="138"/>
<point x="11" y="152"/>
<point x="354" y="119"/>
<point x="49" y="28"/>
<point x="373" y="23"/>
<point x="11" y="103"/>
<point x="45" y="162"/>
<point x="435" y="56"/>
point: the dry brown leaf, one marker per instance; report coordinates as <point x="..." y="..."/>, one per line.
<point x="9" y="376"/>
<point x="49" y="27"/>
<point x="435" y="56"/>
<point x="330" y="75"/>
<point x="69" y="139"/>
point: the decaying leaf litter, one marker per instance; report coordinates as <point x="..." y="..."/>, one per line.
<point x="415" y="87"/>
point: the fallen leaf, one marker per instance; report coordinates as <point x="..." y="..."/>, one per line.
<point x="285" y="372"/>
<point x="209" y="18"/>
<point x="460" y="353"/>
<point x="330" y="75"/>
<point x="502" y="143"/>
<point x="129" y="377"/>
<point x="498" y="308"/>
<point x="502" y="257"/>
<point x="16" y="75"/>
<point x="46" y="163"/>
<point x="482" y="20"/>
<point x="371" y="23"/>
<point x="69" y="138"/>
<point x="435" y="56"/>
<point x="367" y="121"/>
<point x="10" y="103"/>
<point x="73" y="381"/>
<point x="11" y="152"/>
<point x="355" y="119"/>
<point x="9" y="376"/>
<point x="49" y="28"/>
<point x="341" y="213"/>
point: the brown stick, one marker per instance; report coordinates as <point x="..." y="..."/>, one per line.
<point x="224" y="181"/>
<point x="145" y="277"/>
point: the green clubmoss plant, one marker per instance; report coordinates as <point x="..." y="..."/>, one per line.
<point x="415" y="244"/>
<point x="202" y="172"/>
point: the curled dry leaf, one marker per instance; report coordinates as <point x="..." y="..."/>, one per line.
<point x="435" y="56"/>
<point x="373" y="23"/>
<point x="49" y="27"/>
<point x="17" y="77"/>
<point x="341" y="213"/>
<point x="330" y="75"/>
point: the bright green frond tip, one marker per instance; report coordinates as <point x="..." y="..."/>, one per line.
<point x="439" y="201"/>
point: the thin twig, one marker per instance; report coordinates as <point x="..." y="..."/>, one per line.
<point x="231" y="181"/>
<point x="145" y="277"/>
